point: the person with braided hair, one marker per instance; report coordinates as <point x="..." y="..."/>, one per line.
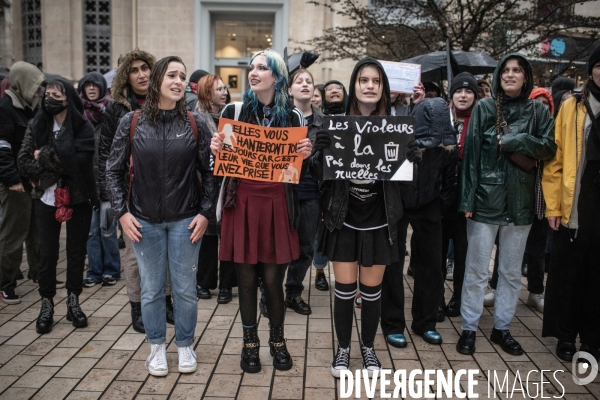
<point x="506" y="134"/>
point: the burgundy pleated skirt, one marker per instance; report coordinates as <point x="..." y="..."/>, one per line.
<point x="257" y="229"/>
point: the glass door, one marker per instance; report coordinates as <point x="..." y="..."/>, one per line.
<point x="236" y="39"/>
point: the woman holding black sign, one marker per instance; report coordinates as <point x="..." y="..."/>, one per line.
<point x="506" y="134"/>
<point x="361" y="218"/>
<point x="260" y="219"/>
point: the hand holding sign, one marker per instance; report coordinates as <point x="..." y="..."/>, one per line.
<point x="260" y="153"/>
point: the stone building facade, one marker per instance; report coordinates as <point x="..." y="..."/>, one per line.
<point x="72" y="37"/>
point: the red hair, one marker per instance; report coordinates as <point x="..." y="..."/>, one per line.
<point x="205" y="90"/>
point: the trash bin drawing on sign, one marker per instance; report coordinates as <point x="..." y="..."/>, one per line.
<point x="391" y="151"/>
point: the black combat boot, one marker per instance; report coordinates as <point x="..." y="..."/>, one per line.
<point x="281" y="358"/>
<point x="136" y="317"/>
<point x="74" y="313"/>
<point x="250" y="358"/>
<point x="45" y="319"/>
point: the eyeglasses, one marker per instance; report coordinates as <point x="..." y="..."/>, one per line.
<point x="222" y="89"/>
<point x="332" y="87"/>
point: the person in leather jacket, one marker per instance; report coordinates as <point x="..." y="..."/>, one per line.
<point x="360" y="225"/>
<point x="166" y="210"/>
<point x="507" y="132"/>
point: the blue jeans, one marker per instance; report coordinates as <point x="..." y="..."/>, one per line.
<point x="167" y="246"/>
<point x="307" y="230"/>
<point x="481" y="239"/>
<point x="103" y="250"/>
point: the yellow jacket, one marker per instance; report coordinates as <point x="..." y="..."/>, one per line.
<point x="560" y="174"/>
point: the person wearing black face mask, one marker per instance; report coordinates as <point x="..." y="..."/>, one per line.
<point x="57" y="153"/>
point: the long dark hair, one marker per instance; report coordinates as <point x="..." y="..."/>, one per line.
<point x="150" y="107"/>
<point x="382" y="105"/>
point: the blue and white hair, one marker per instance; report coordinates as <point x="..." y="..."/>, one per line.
<point x="280" y="113"/>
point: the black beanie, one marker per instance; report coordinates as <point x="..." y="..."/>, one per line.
<point x="463" y="80"/>
<point x="594" y="58"/>
<point x="197" y="75"/>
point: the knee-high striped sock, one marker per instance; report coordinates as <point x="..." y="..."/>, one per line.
<point x="343" y="311"/>
<point x="370" y="312"/>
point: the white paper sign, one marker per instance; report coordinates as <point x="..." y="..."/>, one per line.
<point x="403" y="77"/>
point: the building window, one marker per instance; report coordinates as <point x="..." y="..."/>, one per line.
<point x="96" y="19"/>
<point x="31" y="23"/>
<point x="557" y="8"/>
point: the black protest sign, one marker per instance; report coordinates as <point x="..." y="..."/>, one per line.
<point x="368" y="148"/>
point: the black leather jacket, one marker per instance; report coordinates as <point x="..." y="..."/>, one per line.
<point x="333" y="199"/>
<point x="113" y="114"/>
<point x="167" y="162"/>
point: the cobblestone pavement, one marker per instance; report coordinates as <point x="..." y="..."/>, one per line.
<point x="106" y="359"/>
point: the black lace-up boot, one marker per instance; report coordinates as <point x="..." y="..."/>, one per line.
<point x="281" y="358"/>
<point x="74" y="313"/>
<point x="45" y="319"/>
<point x="136" y="317"/>
<point x="250" y="358"/>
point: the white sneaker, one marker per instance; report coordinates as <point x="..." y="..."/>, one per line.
<point x="187" y="359"/>
<point x="450" y="271"/>
<point x="537" y="301"/>
<point x="490" y="296"/>
<point x="156" y="363"/>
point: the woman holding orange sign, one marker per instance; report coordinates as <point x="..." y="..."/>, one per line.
<point x="260" y="219"/>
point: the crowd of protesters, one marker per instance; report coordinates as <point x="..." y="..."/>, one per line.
<point x="501" y="165"/>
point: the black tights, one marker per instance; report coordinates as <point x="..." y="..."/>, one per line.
<point x="272" y="278"/>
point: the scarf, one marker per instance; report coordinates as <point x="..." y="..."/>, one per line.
<point x="594" y="90"/>
<point x="466" y="115"/>
<point x="93" y="111"/>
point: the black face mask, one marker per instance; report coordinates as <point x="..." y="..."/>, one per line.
<point x="54" y="106"/>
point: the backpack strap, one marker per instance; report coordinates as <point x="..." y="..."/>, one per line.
<point x="134" y="121"/>
<point x="195" y="130"/>
<point x="238" y="110"/>
<point x="193" y="123"/>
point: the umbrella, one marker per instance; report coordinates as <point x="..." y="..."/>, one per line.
<point x="299" y="60"/>
<point x="433" y="65"/>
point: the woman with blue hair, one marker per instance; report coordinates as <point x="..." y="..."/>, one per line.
<point x="260" y="219"/>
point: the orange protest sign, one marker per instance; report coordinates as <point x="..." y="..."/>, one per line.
<point x="259" y="153"/>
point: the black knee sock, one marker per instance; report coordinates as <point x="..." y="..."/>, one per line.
<point x="343" y="311"/>
<point x="370" y="312"/>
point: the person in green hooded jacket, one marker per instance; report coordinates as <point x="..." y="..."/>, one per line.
<point x="497" y="196"/>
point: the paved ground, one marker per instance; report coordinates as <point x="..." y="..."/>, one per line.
<point x="106" y="359"/>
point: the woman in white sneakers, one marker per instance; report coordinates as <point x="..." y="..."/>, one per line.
<point x="166" y="211"/>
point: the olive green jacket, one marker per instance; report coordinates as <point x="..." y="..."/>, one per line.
<point x="494" y="189"/>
